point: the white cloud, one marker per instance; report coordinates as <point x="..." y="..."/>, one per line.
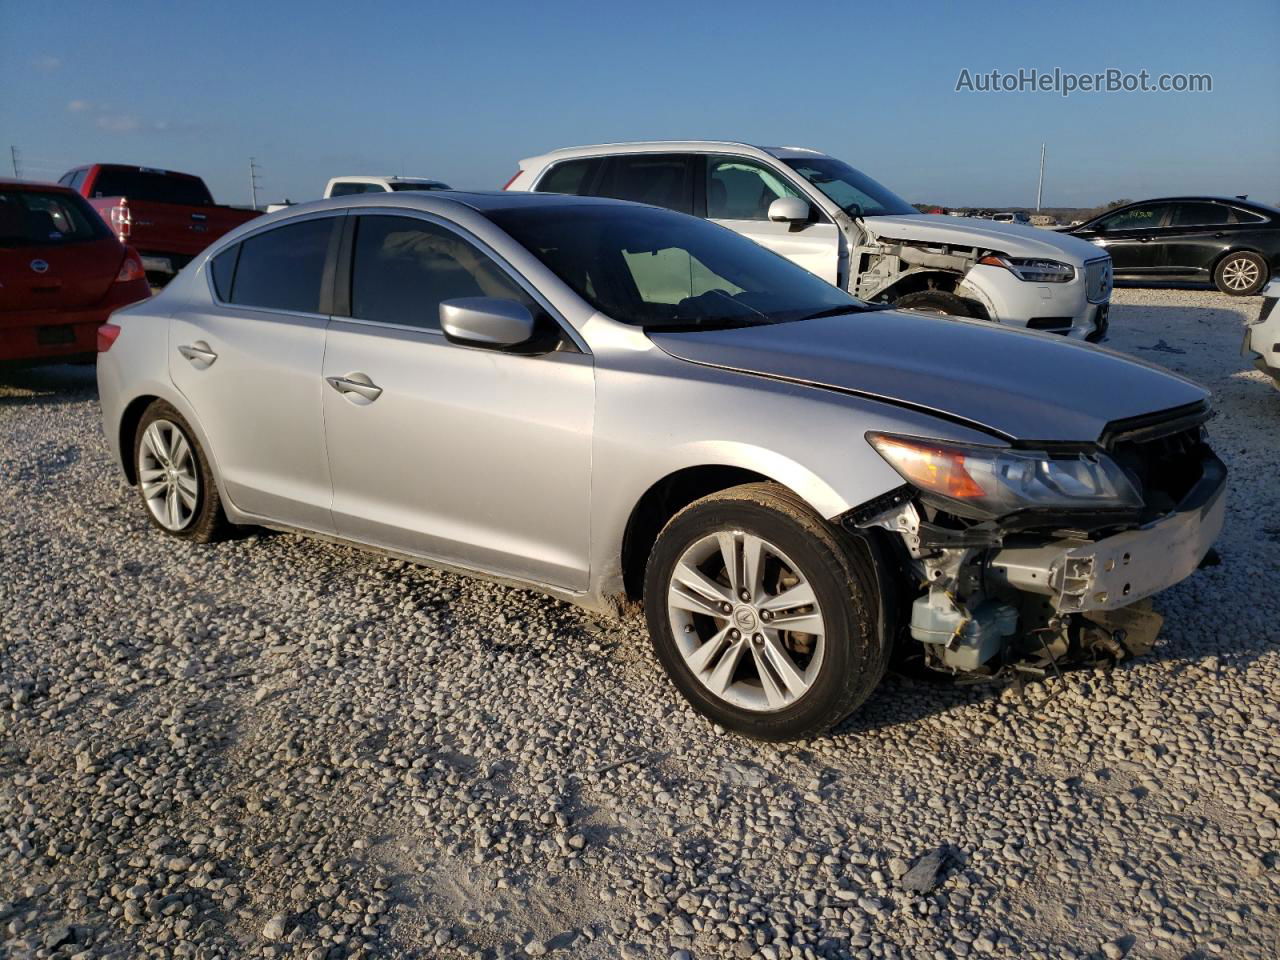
<point x="118" y="122"/>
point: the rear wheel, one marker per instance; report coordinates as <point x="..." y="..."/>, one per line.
<point x="174" y="478"/>
<point x="934" y="301"/>
<point x="1241" y="274"/>
<point x="761" y="615"/>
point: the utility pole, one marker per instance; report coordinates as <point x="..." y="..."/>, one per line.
<point x="253" y="183"/>
<point x="13" y="158"/>
<point x="1040" y="186"/>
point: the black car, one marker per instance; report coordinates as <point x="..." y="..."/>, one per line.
<point x="1231" y="243"/>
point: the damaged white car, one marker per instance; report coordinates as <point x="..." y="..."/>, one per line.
<point x="850" y="230"/>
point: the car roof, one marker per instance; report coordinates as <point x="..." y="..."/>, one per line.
<point x="379" y="177"/>
<point x="669" y="146"/>
<point x="1207" y="198"/>
<point x="10" y="184"/>
<point x="482" y="201"/>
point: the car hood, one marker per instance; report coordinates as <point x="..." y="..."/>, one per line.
<point x="1014" y="239"/>
<point x="1021" y="385"/>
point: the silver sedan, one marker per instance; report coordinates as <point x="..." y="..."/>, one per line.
<point x="605" y="401"/>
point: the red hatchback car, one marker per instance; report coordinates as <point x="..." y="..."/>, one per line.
<point x="62" y="272"/>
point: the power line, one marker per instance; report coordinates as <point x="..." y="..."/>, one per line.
<point x="13" y="157"/>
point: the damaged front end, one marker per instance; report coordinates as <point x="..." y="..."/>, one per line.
<point x="1026" y="560"/>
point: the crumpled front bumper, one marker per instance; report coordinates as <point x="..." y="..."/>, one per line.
<point x="1081" y="576"/>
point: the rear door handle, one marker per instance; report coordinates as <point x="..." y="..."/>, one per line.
<point x="198" y="353"/>
<point x="357" y="383"/>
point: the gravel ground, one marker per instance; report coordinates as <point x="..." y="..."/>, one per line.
<point x="283" y="748"/>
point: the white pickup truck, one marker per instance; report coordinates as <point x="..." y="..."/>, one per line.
<point x="346" y="186"/>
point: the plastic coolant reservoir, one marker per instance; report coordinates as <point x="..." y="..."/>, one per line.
<point x="978" y="635"/>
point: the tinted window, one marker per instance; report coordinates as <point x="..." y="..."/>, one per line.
<point x="222" y="268"/>
<point x="1139" y="217"/>
<point x="1199" y="214"/>
<point x="77" y="178"/>
<point x="404" y="267"/>
<point x="740" y="189"/>
<point x="281" y="269"/>
<point x="657" y="269"/>
<point x="418" y="186"/>
<point x="157" y="186"/>
<point x="350" y="189"/>
<point x="663" y="181"/>
<point x="1246" y="216"/>
<point x="37" y="218"/>
<point x="572" y="176"/>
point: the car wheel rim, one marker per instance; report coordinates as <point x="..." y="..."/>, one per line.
<point x="168" y="475"/>
<point x="746" y="621"/>
<point x="1240" y="274"/>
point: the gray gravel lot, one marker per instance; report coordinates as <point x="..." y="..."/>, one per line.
<point x="283" y="748"/>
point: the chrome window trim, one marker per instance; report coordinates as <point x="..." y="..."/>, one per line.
<point x="566" y="328"/>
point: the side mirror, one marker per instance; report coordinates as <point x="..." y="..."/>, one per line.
<point x="486" y="322"/>
<point x="1098" y="228"/>
<point x="789" y="210"/>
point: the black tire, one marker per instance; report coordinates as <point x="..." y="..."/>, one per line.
<point x="843" y="580"/>
<point x="1237" y="267"/>
<point x="934" y="301"/>
<point x="208" y="522"/>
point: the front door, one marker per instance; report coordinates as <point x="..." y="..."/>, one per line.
<point x="738" y="194"/>
<point x="465" y="455"/>
<point x="250" y="368"/>
<point x="1132" y="236"/>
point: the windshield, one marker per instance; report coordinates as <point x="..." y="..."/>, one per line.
<point x="856" y="193"/>
<point x="654" y="268"/>
<point x="36" y="218"/>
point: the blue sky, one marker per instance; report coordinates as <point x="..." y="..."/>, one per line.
<point x="461" y="91"/>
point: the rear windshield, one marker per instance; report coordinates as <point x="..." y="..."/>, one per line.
<point x="36" y="218"/>
<point x="157" y="186"/>
<point x="419" y="186"/>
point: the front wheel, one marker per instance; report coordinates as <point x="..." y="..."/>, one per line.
<point x="763" y="617"/>
<point x="1241" y="274"/>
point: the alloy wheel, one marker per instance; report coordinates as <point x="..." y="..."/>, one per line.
<point x="1240" y="273"/>
<point x="746" y="621"/>
<point x="168" y="475"/>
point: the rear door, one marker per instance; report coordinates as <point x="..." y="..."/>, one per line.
<point x="739" y="191"/>
<point x="1198" y="232"/>
<point x="470" y="456"/>
<point x="249" y="361"/>
<point x="55" y="252"/>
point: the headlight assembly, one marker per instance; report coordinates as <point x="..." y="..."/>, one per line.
<point x="1032" y="270"/>
<point x="994" y="481"/>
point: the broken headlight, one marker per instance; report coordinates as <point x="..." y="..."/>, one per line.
<point x="1032" y="270"/>
<point x="980" y="481"/>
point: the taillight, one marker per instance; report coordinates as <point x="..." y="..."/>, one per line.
<point x="132" y="268"/>
<point x="122" y="220"/>
<point x="107" y="334"/>
<point x="512" y="180"/>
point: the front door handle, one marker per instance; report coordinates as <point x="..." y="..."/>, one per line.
<point x="198" y="353"/>
<point x="357" y="383"/>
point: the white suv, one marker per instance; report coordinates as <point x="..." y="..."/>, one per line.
<point x="850" y="230"/>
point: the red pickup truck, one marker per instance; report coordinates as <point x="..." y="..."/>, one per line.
<point x="167" y="217"/>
